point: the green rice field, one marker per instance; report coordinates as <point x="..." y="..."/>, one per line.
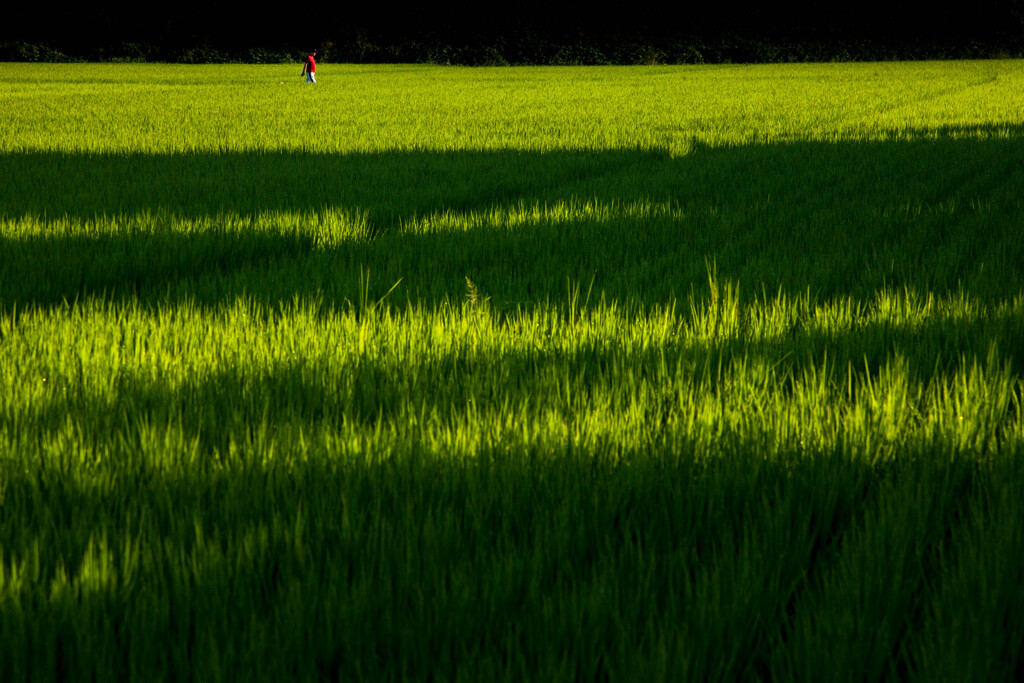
<point x="689" y="373"/>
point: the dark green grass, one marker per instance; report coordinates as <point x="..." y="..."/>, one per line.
<point x="839" y="219"/>
<point x="521" y="565"/>
<point x="753" y="413"/>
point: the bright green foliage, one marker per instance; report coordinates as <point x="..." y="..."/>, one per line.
<point x="689" y="373"/>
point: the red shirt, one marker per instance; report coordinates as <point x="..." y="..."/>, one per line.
<point x="310" y="64"/>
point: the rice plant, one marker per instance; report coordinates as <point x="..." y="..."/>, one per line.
<point x="661" y="373"/>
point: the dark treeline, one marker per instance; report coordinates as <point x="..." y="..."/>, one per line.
<point x="524" y="33"/>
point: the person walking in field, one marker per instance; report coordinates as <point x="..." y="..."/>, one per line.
<point x="309" y="68"/>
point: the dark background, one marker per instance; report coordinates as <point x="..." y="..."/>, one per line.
<point x="503" y="32"/>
